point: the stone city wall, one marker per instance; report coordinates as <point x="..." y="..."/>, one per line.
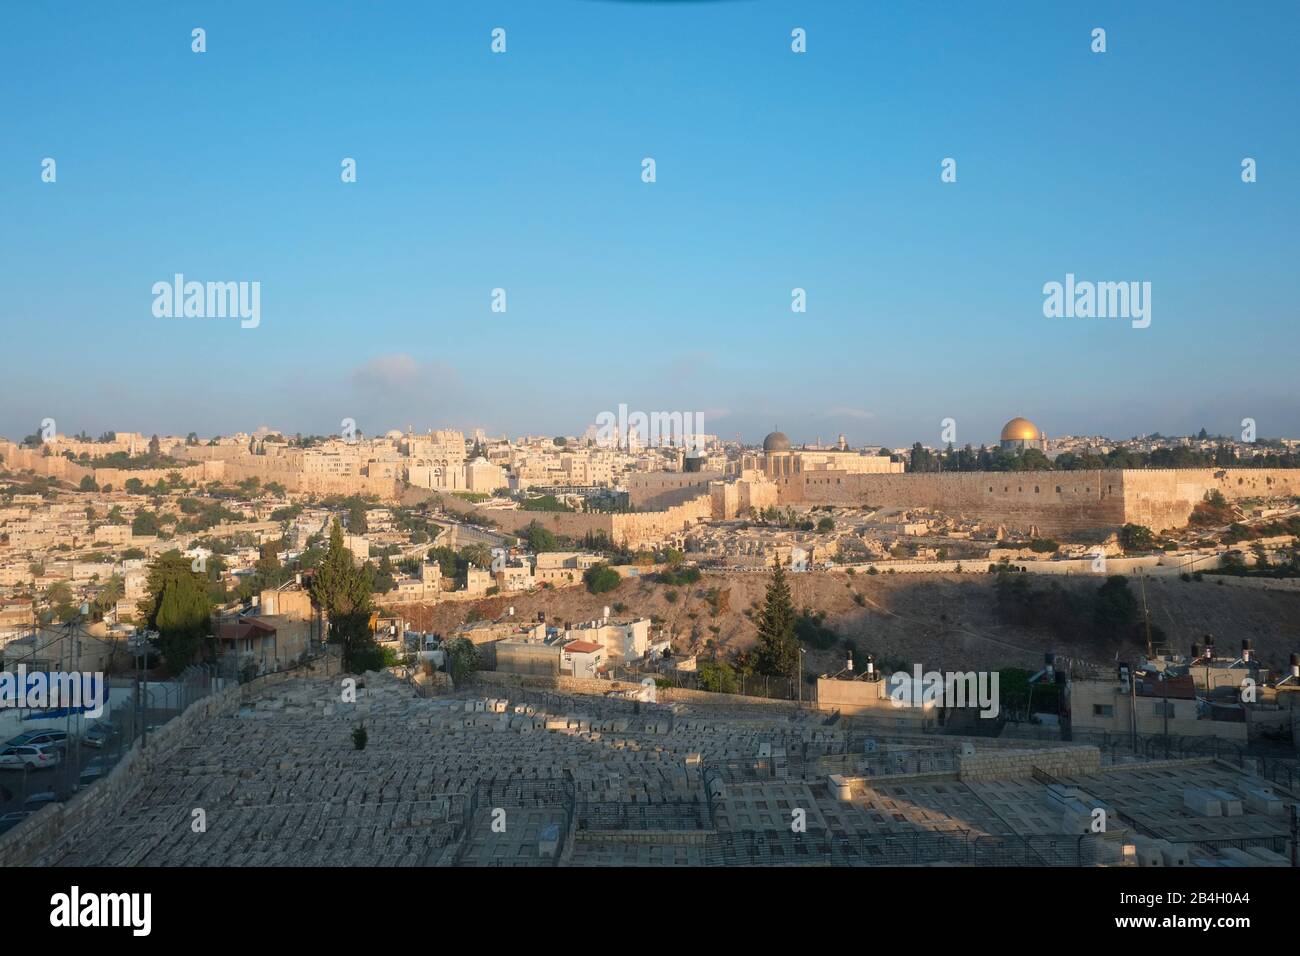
<point x="650" y="527"/>
<point x="16" y="458"/>
<point x="1053" y="502"/>
<point x="656" y="491"/>
<point x="267" y="468"/>
<point x="1164" y="497"/>
<point x="634" y="530"/>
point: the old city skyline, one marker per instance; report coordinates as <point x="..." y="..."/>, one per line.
<point x="540" y="434"/>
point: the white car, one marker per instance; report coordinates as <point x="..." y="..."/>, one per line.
<point x="30" y="756"/>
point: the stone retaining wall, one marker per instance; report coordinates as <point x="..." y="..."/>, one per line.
<point x="663" y="695"/>
<point x="1020" y="764"/>
<point x="57" y="824"/>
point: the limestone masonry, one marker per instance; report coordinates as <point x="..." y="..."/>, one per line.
<point x="1052" y="501"/>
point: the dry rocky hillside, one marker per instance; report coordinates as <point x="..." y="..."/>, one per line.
<point x="941" y="621"/>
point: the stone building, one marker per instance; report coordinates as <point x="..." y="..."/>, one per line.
<point x="780" y="459"/>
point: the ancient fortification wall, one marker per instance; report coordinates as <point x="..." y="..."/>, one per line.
<point x="1054" y="502"/>
<point x="1164" y="497"/>
<point x="16" y="458"/>
<point x="633" y="530"/>
<point x="657" y="490"/>
<point x="649" y="527"/>
<point x="567" y="523"/>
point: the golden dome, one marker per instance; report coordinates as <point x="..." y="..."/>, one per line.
<point x="1020" y="429"/>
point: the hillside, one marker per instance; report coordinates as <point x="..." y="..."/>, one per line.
<point x="941" y="621"/>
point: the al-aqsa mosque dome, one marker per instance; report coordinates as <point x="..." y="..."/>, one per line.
<point x="1020" y="433"/>
<point x="776" y="441"/>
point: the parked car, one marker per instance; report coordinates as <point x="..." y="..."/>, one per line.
<point x="30" y="756"/>
<point x="10" y="820"/>
<point x="98" y="735"/>
<point x="39" y="738"/>
<point x="38" y="800"/>
<point x="93" y="770"/>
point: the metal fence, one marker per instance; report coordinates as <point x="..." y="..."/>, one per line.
<point x="137" y="708"/>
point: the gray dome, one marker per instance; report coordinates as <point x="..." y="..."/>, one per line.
<point x="776" y="441"/>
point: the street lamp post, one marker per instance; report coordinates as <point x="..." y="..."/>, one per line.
<point x="800" y="678"/>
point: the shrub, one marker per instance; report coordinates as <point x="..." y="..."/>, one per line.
<point x="462" y="658"/>
<point x="718" y="677"/>
<point x="679" y="576"/>
<point x="810" y="629"/>
<point x="600" y="578"/>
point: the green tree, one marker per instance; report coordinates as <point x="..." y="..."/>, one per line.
<point x="339" y="589"/>
<point x="539" y="538"/>
<point x="718" y="677"/>
<point x="109" y="595"/>
<point x="383" y="580"/>
<point x="177" y="606"/>
<point x="1136" y="537"/>
<point x="1116" y="608"/>
<point x="777" y="651"/>
<point x="462" y="658"/>
<point x="145" y="524"/>
<point x="479" y="555"/>
<point x="600" y="578"/>
<point x="357" y="523"/>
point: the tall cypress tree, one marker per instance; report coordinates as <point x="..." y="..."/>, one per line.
<point x="339" y="589"/>
<point x="178" y="607"/>
<point x="777" y="652"/>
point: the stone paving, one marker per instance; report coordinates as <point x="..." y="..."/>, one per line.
<point x="551" y="779"/>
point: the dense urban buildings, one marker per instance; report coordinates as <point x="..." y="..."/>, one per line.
<point x="598" y="603"/>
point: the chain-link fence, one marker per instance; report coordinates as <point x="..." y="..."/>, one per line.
<point x="135" y="707"/>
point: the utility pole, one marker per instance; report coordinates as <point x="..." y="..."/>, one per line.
<point x="800" y="680"/>
<point x="1132" y="708"/>
<point x="1165" y="705"/>
<point x="1295" y="837"/>
<point x="1146" y="614"/>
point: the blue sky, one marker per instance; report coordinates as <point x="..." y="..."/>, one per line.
<point x="774" y="171"/>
